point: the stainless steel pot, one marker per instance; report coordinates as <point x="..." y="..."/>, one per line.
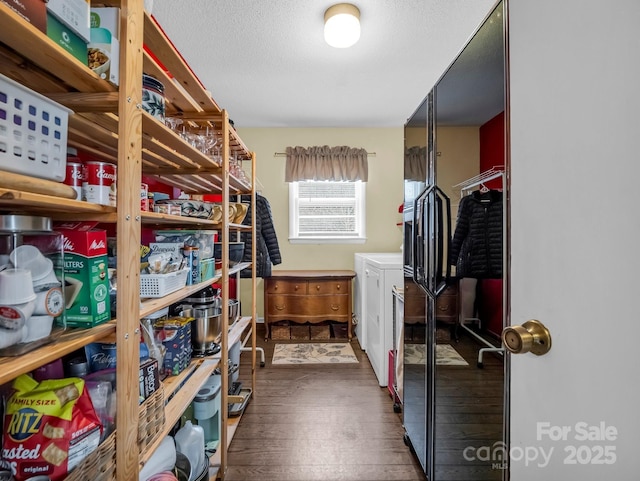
<point x="206" y="329"/>
<point x="234" y="311"/>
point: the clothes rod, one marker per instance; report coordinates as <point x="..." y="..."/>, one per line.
<point x="284" y="154"/>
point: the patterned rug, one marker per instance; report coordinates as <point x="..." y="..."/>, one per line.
<point x="446" y="355"/>
<point x="314" y="353"/>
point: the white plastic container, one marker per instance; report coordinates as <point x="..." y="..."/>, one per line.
<point x="190" y="442"/>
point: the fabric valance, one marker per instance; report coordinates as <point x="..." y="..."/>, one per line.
<point x="326" y="163"/>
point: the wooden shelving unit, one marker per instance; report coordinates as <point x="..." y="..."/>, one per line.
<point x="108" y="124"/>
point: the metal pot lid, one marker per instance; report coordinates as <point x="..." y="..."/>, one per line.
<point x="24" y="223"/>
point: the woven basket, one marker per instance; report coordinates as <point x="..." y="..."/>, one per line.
<point x="151" y="419"/>
<point x="100" y="465"/>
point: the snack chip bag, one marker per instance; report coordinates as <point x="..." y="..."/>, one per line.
<point x="49" y="427"/>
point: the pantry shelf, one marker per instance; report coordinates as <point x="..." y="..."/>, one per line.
<point x="68" y="342"/>
<point x="157" y="42"/>
<point x="149" y="306"/>
<point x="38" y="203"/>
<point x="180" y="401"/>
<point x="44" y="53"/>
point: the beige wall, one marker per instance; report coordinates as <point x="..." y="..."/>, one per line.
<point x="458" y="161"/>
<point x="384" y="192"/>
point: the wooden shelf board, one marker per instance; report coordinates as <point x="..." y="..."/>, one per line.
<point x="43" y="52"/>
<point x="53" y="205"/>
<point x="149" y="306"/>
<point x="69" y="341"/>
<point x="156" y="41"/>
<point x="156" y="218"/>
<point x="176" y="99"/>
<point x="232" y="427"/>
<point x="180" y="401"/>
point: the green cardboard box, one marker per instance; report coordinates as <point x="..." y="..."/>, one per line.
<point x="85" y="274"/>
<point x="66" y="38"/>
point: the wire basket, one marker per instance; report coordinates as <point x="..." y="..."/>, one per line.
<point x="159" y="285"/>
<point x="33" y="132"/>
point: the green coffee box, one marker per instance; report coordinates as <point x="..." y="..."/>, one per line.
<point x="85" y="274"/>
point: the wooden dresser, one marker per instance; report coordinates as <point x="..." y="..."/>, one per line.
<point x="308" y="296"/>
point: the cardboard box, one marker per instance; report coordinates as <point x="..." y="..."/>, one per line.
<point x="66" y="38"/>
<point x="175" y="335"/>
<point x="33" y="11"/>
<point x="74" y="14"/>
<point x="85" y="273"/>
<point x="149" y="378"/>
<point x="103" y="50"/>
<point x="207" y="269"/>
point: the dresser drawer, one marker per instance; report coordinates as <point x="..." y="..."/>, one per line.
<point x="287" y="286"/>
<point x="328" y="306"/>
<point x="327" y="287"/>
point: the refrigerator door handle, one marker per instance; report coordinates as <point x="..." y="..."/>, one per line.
<point x="442" y="242"/>
<point x="420" y="240"/>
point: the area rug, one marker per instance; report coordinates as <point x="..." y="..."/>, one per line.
<point x="446" y="355"/>
<point x="314" y="353"/>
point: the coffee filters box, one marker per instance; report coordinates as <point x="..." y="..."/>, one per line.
<point x="85" y="274"/>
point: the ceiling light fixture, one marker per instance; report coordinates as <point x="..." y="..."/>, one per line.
<point x="342" y="25"/>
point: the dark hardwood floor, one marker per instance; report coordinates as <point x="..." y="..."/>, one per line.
<point x="328" y="422"/>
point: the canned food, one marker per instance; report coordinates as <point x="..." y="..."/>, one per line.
<point x="74" y="177"/>
<point x="99" y="180"/>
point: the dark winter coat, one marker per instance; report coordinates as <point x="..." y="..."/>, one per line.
<point x="476" y="247"/>
<point x="267" y="248"/>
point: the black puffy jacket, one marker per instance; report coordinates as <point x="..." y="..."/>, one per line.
<point x="267" y="248"/>
<point x="476" y="247"/>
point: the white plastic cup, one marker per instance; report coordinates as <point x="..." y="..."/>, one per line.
<point x="14" y="316"/>
<point x="16" y="287"/>
<point x="47" y="282"/>
<point x="38" y="327"/>
<point x="29" y="257"/>
<point x="49" y="303"/>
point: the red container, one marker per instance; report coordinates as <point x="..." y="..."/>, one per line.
<point x="99" y="183"/>
<point x="74" y="177"/>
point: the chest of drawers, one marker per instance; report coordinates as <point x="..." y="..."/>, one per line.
<point x="311" y="296"/>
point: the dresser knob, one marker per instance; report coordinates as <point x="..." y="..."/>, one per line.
<point x="335" y="307"/>
<point x="280" y="308"/>
<point x="297" y="287"/>
<point x="338" y="286"/>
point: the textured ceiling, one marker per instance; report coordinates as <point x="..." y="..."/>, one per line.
<point x="266" y="61"/>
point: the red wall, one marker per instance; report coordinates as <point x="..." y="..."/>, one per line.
<point x="492" y="155"/>
<point x="492" y="147"/>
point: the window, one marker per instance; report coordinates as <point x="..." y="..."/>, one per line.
<point x="326" y="212"/>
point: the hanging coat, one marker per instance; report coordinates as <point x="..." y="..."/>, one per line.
<point x="267" y="248"/>
<point x="476" y="247"/>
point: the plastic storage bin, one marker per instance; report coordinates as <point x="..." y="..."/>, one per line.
<point x="33" y="132"/>
<point x="159" y="285"/>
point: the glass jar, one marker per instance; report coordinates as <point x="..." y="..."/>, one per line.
<point x="32" y="294"/>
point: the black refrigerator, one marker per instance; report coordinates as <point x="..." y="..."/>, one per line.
<point x="427" y="234"/>
<point x="469" y="94"/>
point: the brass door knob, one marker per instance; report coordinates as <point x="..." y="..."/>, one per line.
<point x="532" y="337"/>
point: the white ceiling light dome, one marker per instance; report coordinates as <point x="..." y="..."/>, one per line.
<point x="342" y="25"/>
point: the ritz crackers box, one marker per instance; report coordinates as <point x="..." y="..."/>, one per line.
<point x="85" y="274"/>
